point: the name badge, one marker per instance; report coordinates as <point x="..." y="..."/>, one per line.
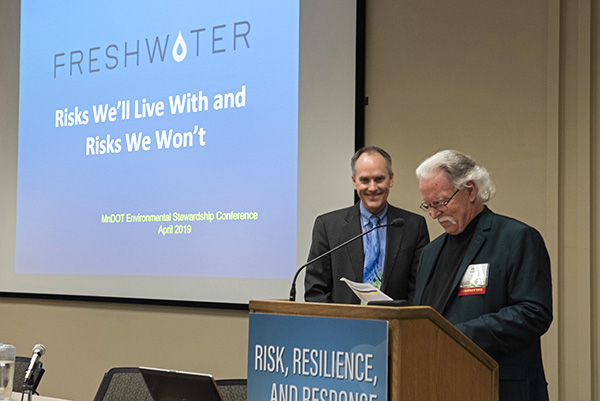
<point x="475" y="280"/>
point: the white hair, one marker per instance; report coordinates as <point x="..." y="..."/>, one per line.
<point x="459" y="169"/>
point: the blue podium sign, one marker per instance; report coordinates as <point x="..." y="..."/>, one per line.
<point x="304" y="358"/>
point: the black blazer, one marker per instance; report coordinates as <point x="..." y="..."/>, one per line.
<point x="403" y="247"/>
<point x="516" y="309"/>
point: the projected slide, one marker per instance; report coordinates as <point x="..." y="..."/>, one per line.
<point x="158" y="138"/>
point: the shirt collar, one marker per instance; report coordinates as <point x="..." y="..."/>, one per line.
<point x="365" y="215"/>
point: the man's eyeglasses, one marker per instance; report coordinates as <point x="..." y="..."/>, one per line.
<point x="437" y="205"/>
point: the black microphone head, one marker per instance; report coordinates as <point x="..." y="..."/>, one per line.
<point x="399" y="222"/>
<point x="39" y="348"/>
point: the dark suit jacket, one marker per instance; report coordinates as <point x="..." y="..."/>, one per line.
<point x="516" y="309"/>
<point x="403" y="247"/>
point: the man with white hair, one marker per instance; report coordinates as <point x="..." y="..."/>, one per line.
<point x="488" y="274"/>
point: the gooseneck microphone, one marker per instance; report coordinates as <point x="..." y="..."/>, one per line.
<point x="38" y="351"/>
<point x="399" y="222"/>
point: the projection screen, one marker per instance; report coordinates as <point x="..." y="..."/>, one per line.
<point x="171" y="150"/>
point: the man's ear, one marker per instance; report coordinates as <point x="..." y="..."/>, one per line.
<point x="472" y="190"/>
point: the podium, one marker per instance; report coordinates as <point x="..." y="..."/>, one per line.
<point x="428" y="358"/>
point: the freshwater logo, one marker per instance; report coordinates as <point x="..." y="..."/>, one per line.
<point x="180" y="49"/>
<point x="127" y="54"/>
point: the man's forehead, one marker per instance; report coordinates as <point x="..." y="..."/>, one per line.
<point x="437" y="185"/>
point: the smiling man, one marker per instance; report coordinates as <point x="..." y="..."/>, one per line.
<point x="386" y="257"/>
<point x="489" y="275"/>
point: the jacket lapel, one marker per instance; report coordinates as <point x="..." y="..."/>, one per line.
<point x="392" y="244"/>
<point x="352" y="228"/>
<point x="432" y="251"/>
<point x="479" y="237"/>
<point x="429" y="256"/>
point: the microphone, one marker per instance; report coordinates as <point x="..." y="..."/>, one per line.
<point x="399" y="222"/>
<point x="38" y="351"/>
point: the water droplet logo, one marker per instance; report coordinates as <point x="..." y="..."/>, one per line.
<point x="181" y="46"/>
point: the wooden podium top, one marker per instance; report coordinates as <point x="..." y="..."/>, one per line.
<point x="285" y="307"/>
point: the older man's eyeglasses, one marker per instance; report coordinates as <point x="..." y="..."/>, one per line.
<point x="437" y="205"/>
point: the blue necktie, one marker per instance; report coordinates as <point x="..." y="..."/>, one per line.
<point x="373" y="267"/>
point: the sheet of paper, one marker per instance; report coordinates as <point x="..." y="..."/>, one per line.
<point x="366" y="292"/>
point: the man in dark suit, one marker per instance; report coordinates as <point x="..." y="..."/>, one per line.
<point x="389" y="261"/>
<point x="488" y="274"/>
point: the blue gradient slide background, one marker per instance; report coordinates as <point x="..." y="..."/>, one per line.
<point x="248" y="162"/>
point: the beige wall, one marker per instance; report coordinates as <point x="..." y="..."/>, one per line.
<point x="513" y="83"/>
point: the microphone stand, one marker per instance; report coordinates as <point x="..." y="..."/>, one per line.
<point x="30" y="386"/>
<point x="396" y="223"/>
<point x="27" y="389"/>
